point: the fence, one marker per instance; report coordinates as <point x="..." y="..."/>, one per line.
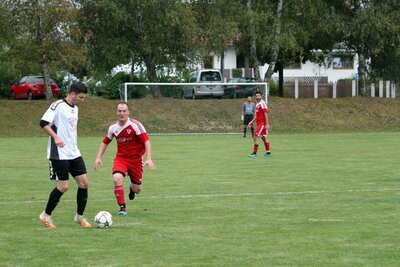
<point x="342" y="88"/>
<point x="123" y="89"/>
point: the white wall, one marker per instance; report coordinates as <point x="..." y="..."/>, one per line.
<point x="229" y="61"/>
<point x="307" y="69"/>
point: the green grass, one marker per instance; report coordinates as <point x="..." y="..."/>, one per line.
<point x="357" y="114"/>
<point x="321" y="200"/>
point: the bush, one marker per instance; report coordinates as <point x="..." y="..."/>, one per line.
<point x="92" y="86"/>
<point x="112" y="84"/>
<point x="138" y="91"/>
<point x="273" y="89"/>
<point x="7" y="78"/>
<point x="174" y="91"/>
<point x="237" y="73"/>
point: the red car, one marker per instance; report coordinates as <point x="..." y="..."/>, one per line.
<point x="30" y="87"/>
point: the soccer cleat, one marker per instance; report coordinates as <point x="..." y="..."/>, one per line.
<point x="122" y="213"/>
<point x="253" y="155"/>
<point x="46" y="220"/>
<point x="268" y="155"/>
<point x="81" y="220"/>
<point x="131" y="194"/>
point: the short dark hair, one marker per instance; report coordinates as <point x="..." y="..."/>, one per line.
<point x="122" y="103"/>
<point x="78" y="87"/>
<point x="257" y="92"/>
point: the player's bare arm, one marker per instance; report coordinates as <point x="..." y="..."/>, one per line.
<point x="98" y="162"/>
<point x="149" y="161"/>
<point x="266" y="120"/>
<point x="57" y="140"/>
<point x="251" y="122"/>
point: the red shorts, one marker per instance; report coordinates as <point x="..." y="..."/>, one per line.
<point x="132" y="167"/>
<point x="261" y="130"/>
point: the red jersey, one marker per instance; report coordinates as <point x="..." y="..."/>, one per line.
<point x="130" y="138"/>
<point x="261" y="108"/>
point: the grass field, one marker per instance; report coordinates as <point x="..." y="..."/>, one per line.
<point x="321" y="200"/>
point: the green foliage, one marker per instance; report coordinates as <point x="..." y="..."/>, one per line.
<point x="152" y="33"/>
<point x="237" y="73"/>
<point x="273" y="89"/>
<point x="174" y="91"/>
<point x="112" y="84"/>
<point x="7" y="78"/>
<point x="54" y="35"/>
<point x="43" y="36"/>
<point x="139" y="91"/>
<point x="92" y="86"/>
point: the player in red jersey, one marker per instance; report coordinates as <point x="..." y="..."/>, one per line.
<point x="132" y="143"/>
<point x="261" y="118"/>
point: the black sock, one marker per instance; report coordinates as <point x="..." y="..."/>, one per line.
<point x="54" y="198"/>
<point x="81" y="200"/>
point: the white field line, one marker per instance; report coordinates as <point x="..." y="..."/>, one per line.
<point x="289" y="193"/>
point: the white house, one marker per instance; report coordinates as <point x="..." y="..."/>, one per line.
<point x="342" y="65"/>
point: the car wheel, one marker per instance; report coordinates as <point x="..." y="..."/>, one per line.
<point x="12" y="95"/>
<point x="29" y="95"/>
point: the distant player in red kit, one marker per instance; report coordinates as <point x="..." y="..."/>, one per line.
<point x="261" y="118"/>
<point x="132" y="143"/>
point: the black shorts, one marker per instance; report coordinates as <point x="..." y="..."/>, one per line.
<point x="60" y="169"/>
<point x="247" y="119"/>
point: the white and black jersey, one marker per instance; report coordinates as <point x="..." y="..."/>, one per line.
<point x="63" y="119"/>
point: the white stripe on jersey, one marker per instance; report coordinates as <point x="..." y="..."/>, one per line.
<point x="262" y="104"/>
<point x="115" y="129"/>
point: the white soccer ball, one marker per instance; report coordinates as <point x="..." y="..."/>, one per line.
<point x="103" y="219"/>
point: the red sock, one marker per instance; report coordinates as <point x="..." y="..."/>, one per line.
<point x="255" y="148"/>
<point x="267" y="147"/>
<point x="119" y="195"/>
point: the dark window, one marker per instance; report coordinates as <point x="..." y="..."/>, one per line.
<point x="240" y="61"/>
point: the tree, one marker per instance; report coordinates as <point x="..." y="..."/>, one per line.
<point x="218" y="21"/>
<point x="276" y="47"/>
<point x="385" y="56"/>
<point x="370" y="28"/>
<point x="285" y="32"/>
<point x="156" y="34"/>
<point x="43" y="31"/>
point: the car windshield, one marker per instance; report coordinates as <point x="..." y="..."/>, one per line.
<point x="210" y="76"/>
<point x="39" y="80"/>
<point x="23" y="79"/>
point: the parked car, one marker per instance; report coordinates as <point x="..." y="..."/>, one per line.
<point x="204" y="76"/>
<point x="30" y="87"/>
<point x="237" y="91"/>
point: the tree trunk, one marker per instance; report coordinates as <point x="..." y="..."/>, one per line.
<point x="362" y="83"/>
<point x="222" y="64"/>
<point x="152" y="75"/>
<point x="46" y="77"/>
<point x="254" y="63"/>
<point x="275" y="49"/>
<point x="280" y="88"/>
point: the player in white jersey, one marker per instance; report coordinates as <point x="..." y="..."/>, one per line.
<point x="60" y="122"/>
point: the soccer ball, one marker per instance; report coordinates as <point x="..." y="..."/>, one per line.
<point x="103" y="219"/>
